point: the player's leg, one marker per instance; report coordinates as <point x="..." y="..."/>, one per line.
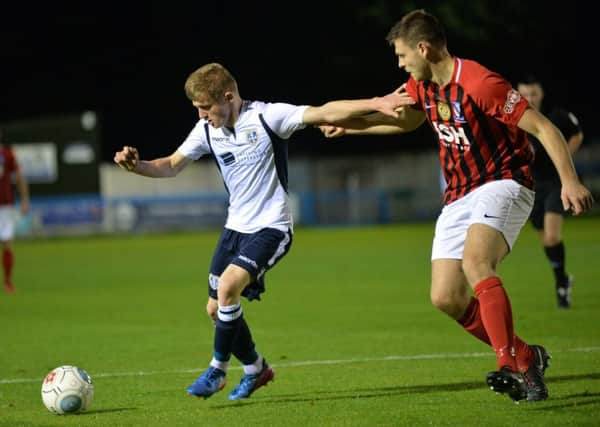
<point x="7" y="265"/>
<point x="229" y="318"/>
<point x="499" y="212"/>
<point x="547" y="219"/>
<point x="213" y="379"/>
<point x="554" y="246"/>
<point x="484" y="247"/>
<point x="450" y="291"/>
<point x="259" y="253"/>
<point x="7" y="233"/>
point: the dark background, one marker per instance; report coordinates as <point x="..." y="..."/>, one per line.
<point x="129" y="60"/>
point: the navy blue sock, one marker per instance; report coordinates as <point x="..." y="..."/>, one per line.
<point x="229" y="320"/>
<point x="243" y="346"/>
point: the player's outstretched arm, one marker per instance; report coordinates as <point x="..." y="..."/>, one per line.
<point x="376" y="124"/>
<point x="335" y="112"/>
<point x="574" y="195"/>
<point x="129" y="159"/>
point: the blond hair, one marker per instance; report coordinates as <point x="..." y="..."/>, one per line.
<point x="211" y="80"/>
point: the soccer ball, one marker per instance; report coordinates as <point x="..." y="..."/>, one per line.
<point x="67" y="390"/>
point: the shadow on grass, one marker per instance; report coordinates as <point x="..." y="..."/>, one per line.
<point x="376" y="392"/>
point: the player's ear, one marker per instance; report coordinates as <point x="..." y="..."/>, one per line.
<point x="229" y="96"/>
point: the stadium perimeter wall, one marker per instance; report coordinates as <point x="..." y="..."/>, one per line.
<point x="330" y="191"/>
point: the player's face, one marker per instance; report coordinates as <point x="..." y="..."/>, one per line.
<point x="411" y="60"/>
<point x="533" y="93"/>
<point x="216" y="112"/>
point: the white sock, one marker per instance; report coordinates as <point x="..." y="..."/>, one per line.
<point x="255" y="368"/>
<point x="219" y="365"/>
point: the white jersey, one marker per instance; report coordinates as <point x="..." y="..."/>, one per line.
<point x="253" y="162"/>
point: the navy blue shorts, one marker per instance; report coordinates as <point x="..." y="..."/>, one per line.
<point x="255" y="253"/>
<point x="547" y="199"/>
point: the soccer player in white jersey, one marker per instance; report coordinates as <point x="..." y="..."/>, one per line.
<point x="247" y="140"/>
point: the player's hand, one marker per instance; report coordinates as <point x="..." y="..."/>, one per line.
<point x="576" y="197"/>
<point x="393" y="103"/>
<point x="128" y="158"/>
<point x="331" y="131"/>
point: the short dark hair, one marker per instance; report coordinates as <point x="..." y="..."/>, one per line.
<point x="416" y="26"/>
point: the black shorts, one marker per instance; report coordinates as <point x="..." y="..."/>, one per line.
<point x="256" y="253"/>
<point x="547" y="199"/>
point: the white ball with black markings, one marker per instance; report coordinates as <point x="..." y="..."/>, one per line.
<point x="67" y="390"/>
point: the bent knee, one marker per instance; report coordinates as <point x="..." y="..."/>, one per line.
<point x="451" y="304"/>
<point x="551" y="239"/>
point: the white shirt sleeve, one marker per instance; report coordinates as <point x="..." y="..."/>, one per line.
<point x="195" y="145"/>
<point x="284" y="119"/>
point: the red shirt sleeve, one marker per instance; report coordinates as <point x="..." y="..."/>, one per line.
<point x="413" y="91"/>
<point x="10" y="164"/>
<point x="497" y="98"/>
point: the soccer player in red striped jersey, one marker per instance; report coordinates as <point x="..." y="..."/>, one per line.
<point x="9" y="168"/>
<point x="482" y="125"/>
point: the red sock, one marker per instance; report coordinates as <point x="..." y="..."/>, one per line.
<point x="472" y="323"/>
<point x="496" y="315"/>
<point x="7" y="263"/>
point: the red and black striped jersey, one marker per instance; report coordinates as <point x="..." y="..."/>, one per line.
<point x="8" y="166"/>
<point x="475" y="117"/>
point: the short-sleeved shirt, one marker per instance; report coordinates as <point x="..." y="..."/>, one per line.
<point x="252" y="159"/>
<point x="475" y="117"/>
<point x="567" y="123"/>
<point x="8" y="166"/>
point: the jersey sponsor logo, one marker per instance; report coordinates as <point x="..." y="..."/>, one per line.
<point x="512" y="98"/>
<point x="450" y="135"/>
<point x="444" y="111"/>
<point x="220" y="138"/>
<point x="252" y="136"/>
<point x="457" y="112"/>
<point x="227" y="158"/>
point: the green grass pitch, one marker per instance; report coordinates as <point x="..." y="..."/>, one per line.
<point x="346" y="322"/>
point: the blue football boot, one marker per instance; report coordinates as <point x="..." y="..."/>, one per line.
<point x="207" y="384"/>
<point x="250" y="383"/>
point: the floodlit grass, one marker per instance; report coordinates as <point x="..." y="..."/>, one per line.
<point x="346" y="322"/>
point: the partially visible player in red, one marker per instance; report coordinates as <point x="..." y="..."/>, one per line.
<point x="9" y="168"/>
<point x="482" y="125"/>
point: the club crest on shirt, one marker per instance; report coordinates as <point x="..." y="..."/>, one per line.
<point x="512" y="98"/>
<point x="444" y="110"/>
<point x="252" y="136"/>
<point x="457" y="112"/>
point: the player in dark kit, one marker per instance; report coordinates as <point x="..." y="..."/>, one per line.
<point x="547" y="214"/>
<point x="481" y="123"/>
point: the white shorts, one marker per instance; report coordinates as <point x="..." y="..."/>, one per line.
<point x="8" y="218"/>
<point x="504" y="205"/>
